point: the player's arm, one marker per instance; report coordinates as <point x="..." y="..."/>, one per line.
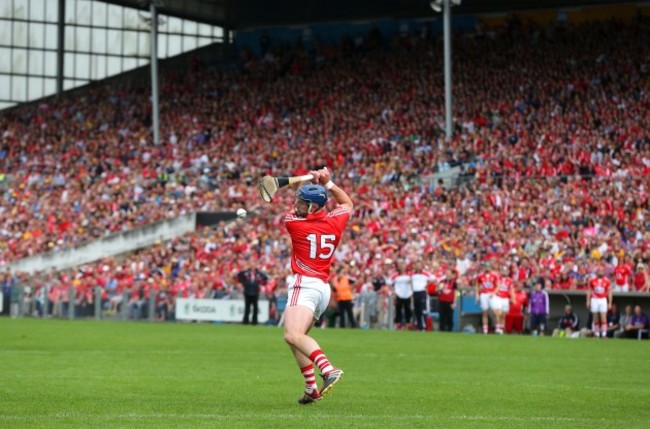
<point x="588" y="296"/>
<point x="341" y="197"/>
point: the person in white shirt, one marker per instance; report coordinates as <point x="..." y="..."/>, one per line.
<point x="402" y="285"/>
<point x="419" y="281"/>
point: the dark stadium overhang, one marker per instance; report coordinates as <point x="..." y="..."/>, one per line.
<point x="241" y="14"/>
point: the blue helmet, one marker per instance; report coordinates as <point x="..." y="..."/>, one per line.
<point x="315" y="194"/>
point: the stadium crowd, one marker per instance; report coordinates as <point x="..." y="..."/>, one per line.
<point x="551" y="135"/>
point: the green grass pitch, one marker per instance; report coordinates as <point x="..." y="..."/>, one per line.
<point x="62" y="374"/>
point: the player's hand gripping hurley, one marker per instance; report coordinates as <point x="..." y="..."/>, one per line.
<point x="269" y="185"/>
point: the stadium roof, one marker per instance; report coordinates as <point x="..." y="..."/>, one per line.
<point x="241" y="14"/>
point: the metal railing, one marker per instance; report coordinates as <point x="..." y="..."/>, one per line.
<point x="376" y="312"/>
<point x="26" y="301"/>
<point x="25" y="304"/>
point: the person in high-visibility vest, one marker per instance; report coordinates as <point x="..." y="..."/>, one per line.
<point x="344" y="296"/>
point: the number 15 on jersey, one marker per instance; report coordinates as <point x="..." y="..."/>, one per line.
<point x="321" y="245"/>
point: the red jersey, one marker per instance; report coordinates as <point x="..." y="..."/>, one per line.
<point x="548" y="263"/>
<point x="488" y="282"/>
<point x="524" y="273"/>
<point x="563" y="284"/>
<point x="520" y="300"/>
<point x="599" y="287"/>
<point x="639" y="280"/>
<point x="622" y="274"/>
<point x="314" y="239"/>
<point x="551" y="264"/>
<point x="505" y="286"/>
<point x="448" y="291"/>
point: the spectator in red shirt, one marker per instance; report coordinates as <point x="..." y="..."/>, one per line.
<point x="515" y="316"/>
<point x="622" y="276"/>
<point x="446" y="292"/>
<point x="641" y="283"/>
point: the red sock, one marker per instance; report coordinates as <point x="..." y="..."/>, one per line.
<point x="319" y="358"/>
<point x="596" y="329"/>
<point x="603" y="330"/>
<point x="310" y="378"/>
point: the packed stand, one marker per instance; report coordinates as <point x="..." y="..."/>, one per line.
<point x="551" y="125"/>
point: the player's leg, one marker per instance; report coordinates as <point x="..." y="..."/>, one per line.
<point x="595" y="317"/>
<point x="595" y="324"/>
<point x="484" y="320"/>
<point x="299" y="316"/>
<point x="330" y="374"/>
<point x="309" y="374"/>
<point x="603" y="317"/>
<point x="485" y="306"/>
<point x="603" y="324"/>
<point x="298" y="320"/>
<point x="495" y="306"/>
<point x="505" y="309"/>
<point x="497" y="320"/>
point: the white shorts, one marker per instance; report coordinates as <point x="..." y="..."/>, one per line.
<point x="309" y="292"/>
<point x="599" y="305"/>
<point x="621" y="288"/>
<point x="485" y="300"/>
<point x="499" y="303"/>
